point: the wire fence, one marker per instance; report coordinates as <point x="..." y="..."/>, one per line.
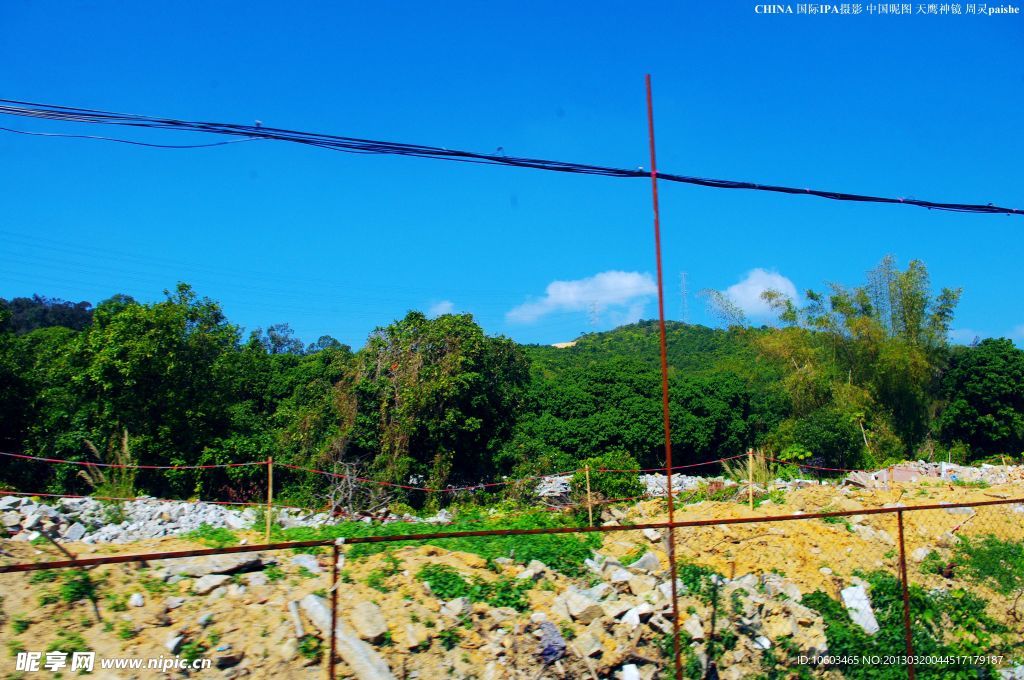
<point x="750" y="586"/>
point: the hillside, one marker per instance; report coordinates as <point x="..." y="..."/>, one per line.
<point x="754" y="598"/>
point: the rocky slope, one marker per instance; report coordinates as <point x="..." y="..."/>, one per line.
<point x="424" y="611"/>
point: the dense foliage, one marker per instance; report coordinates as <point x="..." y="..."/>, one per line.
<point x="854" y="377"/>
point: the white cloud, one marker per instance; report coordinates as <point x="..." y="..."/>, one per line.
<point x="439" y="308"/>
<point x="964" y="336"/>
<point x="747" y="293"/>
<point x="622" y="293"/>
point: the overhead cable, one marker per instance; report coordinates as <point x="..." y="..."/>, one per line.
<point x="357" y="145"/>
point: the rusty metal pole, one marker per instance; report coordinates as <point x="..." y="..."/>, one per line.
<point x="750" y="477"/>
<point x="270" y="495"/>
<point x="334" y="607"/>
<point x="664" y="385"/>
<point x="590" y="504"/>
<point x="908" y="631"/>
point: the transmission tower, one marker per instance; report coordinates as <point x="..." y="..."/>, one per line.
<point x="685" y="296"/>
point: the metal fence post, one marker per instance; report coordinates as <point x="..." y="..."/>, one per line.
<point x="590" y="503"/>
<point x="907" y="629"/>
<point x="334" y="607"/>
<point x="270" y="496"/>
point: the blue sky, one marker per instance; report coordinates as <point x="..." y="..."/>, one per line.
<point x="923" y="106"/>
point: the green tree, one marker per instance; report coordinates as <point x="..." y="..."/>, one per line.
<point x="444" y="396"/>
<point x="872" y="352"/>
<point x="147" y="368"/>
<point x="984" y="389"/>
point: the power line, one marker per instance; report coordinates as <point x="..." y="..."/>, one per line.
<point x="356" y="145"/>
<point x="126" y="141"/>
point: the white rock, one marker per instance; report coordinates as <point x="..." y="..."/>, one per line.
<point x="364" y="662"/>
<point x="859" y="606"/>
<point x="642" y="584"/>
<point x="694" y="628"/>
<point x="588" y="644"/>
<point x="368" y="621"/>
<point x="288" y="649"/>
<point x="629" y="672"/>
<point x="256" y="578"/>
<point x="619" y="575"/>
<point x="215" y="564"/>
<point x="309" y="562"/>
<point x="136" y="600"/>
<point x="647" y="562"/>
<point x="581" y="607"/>
<point x="638" y="614"/>
<point x="173" y="644"/>
<point x="207" y="583"/>
<point x="665" y="589"/>
<point x="173" y="603"/>
<point x="460" y="606"/>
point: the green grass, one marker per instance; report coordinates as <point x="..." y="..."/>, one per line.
<point x="845" y="521"/>
<point x="153" y="585"/>
<point x="978" y="484"/>
<point x="213" y="537"/>
<point x="377" y="579"/>
<point x="698" y="580"/>
<point x="192" y="651"/>
<point x="633" y="555"/>
<point x="987" y="559"/>
<point x="449" y="638"/>
<point x="692" y="667"/>
<point x="76" y="586"/>
<point x="311" y="647"/>
<point x="20" y="624"/>
<point x="447" y="584"/>
<point x="562" y="552"/>
<point x="946" y="623"/>
<point x="43" y="576"/>
<point x="116" y="603"/>
<point x="67" y="641"/>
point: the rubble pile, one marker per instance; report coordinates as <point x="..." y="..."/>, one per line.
<point x="916" y="471"/>
<point x="92" y="521"/>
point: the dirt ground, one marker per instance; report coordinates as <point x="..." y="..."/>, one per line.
<point x="254" y="619"/>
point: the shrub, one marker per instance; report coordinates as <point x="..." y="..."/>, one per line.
<point x="117" y="481"/>
<point x="607" y="485"/>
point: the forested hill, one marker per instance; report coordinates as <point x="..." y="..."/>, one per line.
<point x="855" y="377"/>
<point x="692" y="349"/>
